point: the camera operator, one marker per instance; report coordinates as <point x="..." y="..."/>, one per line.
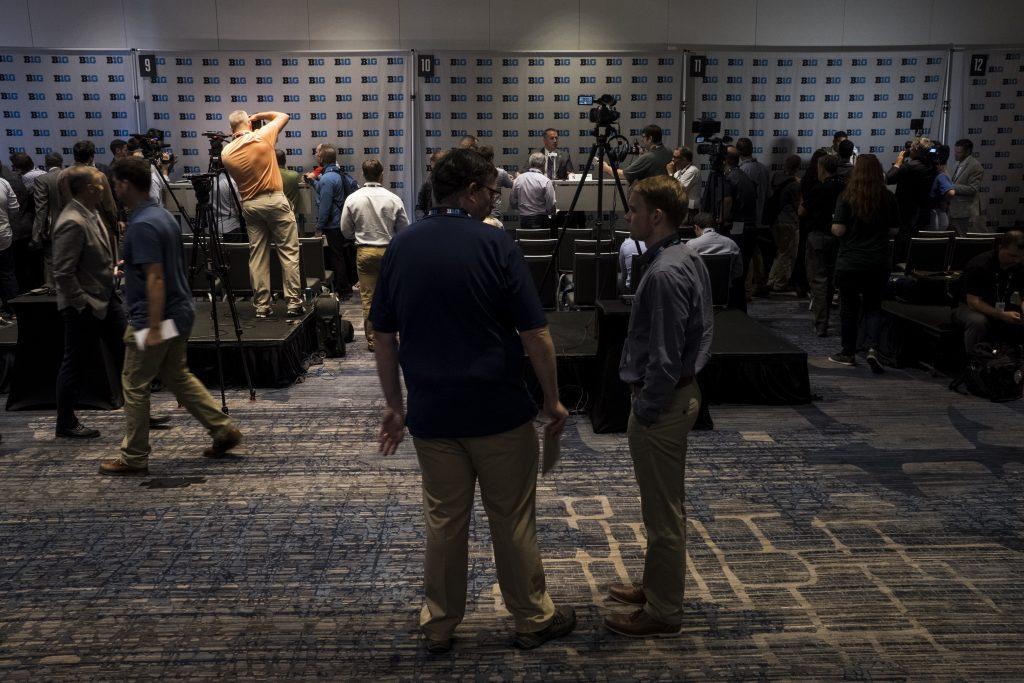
<point x="687" y="173"/>
<point x="965" y="207"/>
<point x="226" y="205"/>
<point x="651" y="163"/>
<point x="913" y="173"/>
<point x="251" y="161"/>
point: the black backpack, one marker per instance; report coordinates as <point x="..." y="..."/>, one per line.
<point x="994" y="372"/>
<point x="332" y="331"/>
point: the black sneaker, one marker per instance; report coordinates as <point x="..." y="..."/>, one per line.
<point x="439" y="647"/>
<point x="79" y="431"/>
<point x="295" y="312"/>
<point x="874" y="362"/>
<point x="560" y="625"/>
<point x="266" y="314"/>
<point x="843" y="358"/>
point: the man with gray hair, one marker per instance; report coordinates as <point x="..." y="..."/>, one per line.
<point x="533" y="195"/>
<point x="251" y="161"/>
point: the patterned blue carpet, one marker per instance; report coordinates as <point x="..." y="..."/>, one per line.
<point x="876" y="534"/>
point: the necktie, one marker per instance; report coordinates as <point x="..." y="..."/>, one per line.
<point x="551" y="167"/>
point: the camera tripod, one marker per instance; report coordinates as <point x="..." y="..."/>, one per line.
<point x="603" y="134"/>
<point x="206" y="236"/>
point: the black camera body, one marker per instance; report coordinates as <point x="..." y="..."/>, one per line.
<point x="604" y="114"/>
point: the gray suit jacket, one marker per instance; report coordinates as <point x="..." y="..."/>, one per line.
<point x="83" y="261"/>
<point x="967" y="181"/>
<point x="48" y="205"/>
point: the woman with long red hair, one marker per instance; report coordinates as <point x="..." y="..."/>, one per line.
<point x="865" y="213"/>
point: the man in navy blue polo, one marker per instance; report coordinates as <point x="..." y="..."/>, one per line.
<point x="459" y="296"/>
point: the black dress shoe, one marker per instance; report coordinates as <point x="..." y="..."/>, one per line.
<point x="160" y="422"/>
<point x="79" y="431"/>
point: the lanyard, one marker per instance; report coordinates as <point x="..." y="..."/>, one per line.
<point x="447" y="211"/>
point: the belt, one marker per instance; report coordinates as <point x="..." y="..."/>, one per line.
<point x="683" y="382"/>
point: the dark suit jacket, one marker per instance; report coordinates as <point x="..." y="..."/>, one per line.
<point x="48" y="205"/>
<point x="563" y="164"/>
<point x="967" y="182"/>
<point x="21" y="224"/>
<point x="83" y="261"/>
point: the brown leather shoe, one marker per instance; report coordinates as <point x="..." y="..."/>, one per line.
<point x="627" y="593"/>
<point x="119" y="468"/>
<point x="231" y="438"/>
<point x="640" y="624"/>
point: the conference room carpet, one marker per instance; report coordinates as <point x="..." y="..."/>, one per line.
<point x="873" y="534"/>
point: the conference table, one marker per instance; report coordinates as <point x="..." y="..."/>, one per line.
<point x="566" y="189"/>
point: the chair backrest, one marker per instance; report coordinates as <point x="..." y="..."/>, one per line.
<point x="935" y="234"/>
<point x="966" y="248"/>
<point x="237" y="256"/>
<point x="537" y="247"/>
<point x="533" y="234"/>
<point x="928" y="254"/>
<point x="989" y="235"/>
<point x="585" y="272"/>
<point x="587" y="246"/>
<point x="311" y="258"/>
<point x="720" y="272"/>
<point x="568" y="246"/>
<point x="546" y="288"/>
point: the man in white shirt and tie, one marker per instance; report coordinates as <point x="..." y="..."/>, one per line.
<point x="533" y="194"/>
<point x="687" y="173"/>
<point x="557" y="163"/>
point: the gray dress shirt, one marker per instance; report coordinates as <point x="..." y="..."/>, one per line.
<point x="670" y="327"/>
<point x="710" y="242"/>
<point x="533" y="194"/>
<point x="759" y="173"/>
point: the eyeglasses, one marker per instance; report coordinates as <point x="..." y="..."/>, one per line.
<point x="493" y="190"/>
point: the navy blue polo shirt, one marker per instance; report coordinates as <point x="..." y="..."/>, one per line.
<point x="457" y="291"/>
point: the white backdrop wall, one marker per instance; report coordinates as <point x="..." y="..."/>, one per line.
<point x="50" y="99"/>
<point x="358" y="102"/>
<point x="992" y="111"/>
<point x="793" y="102"/>
<point x="508" y="99"/>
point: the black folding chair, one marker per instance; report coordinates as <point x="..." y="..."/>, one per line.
<point x="720" y="272"/>
<point x="586" y="246"/>
<point x="312" y="264"/>
<point x="927" y="254"/>
<point x="545" y="288"/>
<point x="966" y="248"/>
<point x="533" y="234"/>
<point x="568" y="247"/>
<point x="538" y="247"/>
<point x="584" y="277"/>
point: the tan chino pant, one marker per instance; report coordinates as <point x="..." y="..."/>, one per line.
<point x="506" y="466"/>
<point x="368" y="260"/>
<point x="659" y="461"/>
<point x="168" y="362"/>
<point x="270" y="216"/>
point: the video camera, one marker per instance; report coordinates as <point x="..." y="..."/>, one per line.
<point x="151" y="144"/>
<point x="714" y="147"/>
<point x="604" y="114"/>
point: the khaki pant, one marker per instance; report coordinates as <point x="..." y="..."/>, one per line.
<point x="659" y="461"/>
<point x="506" y="465"/>
<point x="166" y="361"/>
<point x="787" y="240"/>
<point x="270" y="216"/>
<point x="368" y="260"/>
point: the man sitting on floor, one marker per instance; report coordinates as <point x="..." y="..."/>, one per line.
<point x="988" y="308"/>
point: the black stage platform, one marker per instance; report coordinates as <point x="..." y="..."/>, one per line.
<point x="276" y="349"/>
<point x="749" y="364"/>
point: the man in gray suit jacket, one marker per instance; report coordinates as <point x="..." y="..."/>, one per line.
<point x="84" y="256"/>
<point x="46" y="192"/>
<point x="965" y="207"/>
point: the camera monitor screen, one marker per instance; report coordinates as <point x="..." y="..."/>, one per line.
<point x="585" y="100"/>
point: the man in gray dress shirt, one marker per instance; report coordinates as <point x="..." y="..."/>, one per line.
<point x="533" y="195"/>
<point x="668" y="343"/>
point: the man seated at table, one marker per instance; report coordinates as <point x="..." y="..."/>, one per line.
<point x="533" y="195"/>
<point x="989" y="309"/>
<point x="709" y="241"/>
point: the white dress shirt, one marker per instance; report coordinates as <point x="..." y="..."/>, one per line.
<point x="689" y="178"/>
<point x="373" y="214"/>
<point x="30" y="177"/>
<point x="533" y="194"/>
<point x="8" y="207"/>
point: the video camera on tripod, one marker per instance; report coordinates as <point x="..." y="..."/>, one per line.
<point x="604" y="115"/>
<point x="152" y="145"/>
<point x="708" y="144"/>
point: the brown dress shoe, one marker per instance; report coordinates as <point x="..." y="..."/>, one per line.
<point x="231" y="438"/>
<point x="118" y="468"/>
<point x="640" y="624"/>
<point x="627" y="593"/>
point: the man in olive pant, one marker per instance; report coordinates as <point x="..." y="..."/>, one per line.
<point x="157" y="289"/>
<point x="668" y="342"/>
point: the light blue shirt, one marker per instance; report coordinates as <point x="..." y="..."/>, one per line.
<point x="710" y="242"/>
<point x="626" y="253"/>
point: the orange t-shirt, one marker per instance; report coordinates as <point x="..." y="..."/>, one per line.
<point x="252" y="163"/>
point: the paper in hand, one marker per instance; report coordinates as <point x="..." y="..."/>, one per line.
<point x="551" y="452"/>
<point x="168" y="330"/>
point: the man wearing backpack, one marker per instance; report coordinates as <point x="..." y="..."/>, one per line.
<point x="781" y="214"/>
<point x="332" y="188"/>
